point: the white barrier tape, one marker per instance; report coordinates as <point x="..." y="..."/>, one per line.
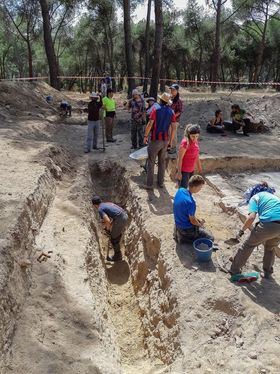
<point x="186" y="81"/>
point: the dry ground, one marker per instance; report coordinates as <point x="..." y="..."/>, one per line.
<point x="158" y="311"/>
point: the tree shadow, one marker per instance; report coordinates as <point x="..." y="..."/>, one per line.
<point x="118" y="273"/>
<point x="186" y="255"/>
<point x="266" y="294"/>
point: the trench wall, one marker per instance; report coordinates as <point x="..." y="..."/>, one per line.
<point x="18" y="244"/>
<point x="149" y="271"/>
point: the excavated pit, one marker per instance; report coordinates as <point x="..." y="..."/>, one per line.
<point x="142" y="303"/>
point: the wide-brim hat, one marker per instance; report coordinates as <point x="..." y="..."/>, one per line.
<point x="165" y="97"/>
<point x="93" y="95"/>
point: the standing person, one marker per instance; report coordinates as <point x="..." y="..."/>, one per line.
<point x="109" y="105"/>
<point x="266" y="232"/>
<point x="177" y="107"/>
<point x="216" y="125"/>
<point x="187" y="226"/>
<point x="103" y="87"/>
<point x="93" y="110"/>
<point x="114" y="220"/>
<point x="138" y="114"/>
<point x="161" y="120"/>
<point x="151" y="101"/>
<point x="188" y="157"/>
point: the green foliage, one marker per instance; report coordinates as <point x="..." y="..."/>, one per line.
<point x="89" y="39"/>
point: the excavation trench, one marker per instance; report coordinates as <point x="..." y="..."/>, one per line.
<point x="143" y="305"/>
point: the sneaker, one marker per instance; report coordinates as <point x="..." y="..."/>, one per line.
<point x="245" y="134"/>
<point x="239" y="132"/>
<point x="86" y="151"/>
<point x="116" y="257"/>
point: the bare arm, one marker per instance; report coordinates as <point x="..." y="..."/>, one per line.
<point x="249" y="221"/>
<point x="148" y="130"/>
<point x="182" y="152"/>
<point x="107" y="222"/>
<point x="212" y="121"/>
<point x="195" y="221"/>
<point x="198" y="165"/>
<point x="173" y="128"/>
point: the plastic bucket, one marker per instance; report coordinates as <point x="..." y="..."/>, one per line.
<point x="203" y="255"/>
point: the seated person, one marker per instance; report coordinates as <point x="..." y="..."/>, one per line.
<point x="216" y="125"/>
<point x="65" y="108"/>
<point x="240" y="124"/>
<point x="187" y="226"/>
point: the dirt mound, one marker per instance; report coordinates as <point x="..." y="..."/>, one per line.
<point x="28" y="98"/>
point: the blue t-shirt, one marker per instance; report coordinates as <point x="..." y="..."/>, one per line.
<point x="183" y="207"/>
<point x="112" y="210"/>
<point x="266" y="205"/>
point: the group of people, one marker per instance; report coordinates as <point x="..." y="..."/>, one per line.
<point x="239" y="124"/>
<point x="159" y="134"/>
<point x="141" y="109"/>
<point x="188" y="227"/>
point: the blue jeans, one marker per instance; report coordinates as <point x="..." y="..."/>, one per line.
<point x="92" y="135"/>
<point x="184" y="182"/>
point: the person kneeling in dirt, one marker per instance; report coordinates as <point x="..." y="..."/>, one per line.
<point x="65" y="108"/>
<point x="187" y="226"/>
<point x="216" y="125"/>
<point x="114" y="220"/>
<point x="240" y="123"/>
<point x="266" y="232"/>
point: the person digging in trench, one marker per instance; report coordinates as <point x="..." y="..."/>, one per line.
<point x="114" y="220"/>
<point x="266" y="232"/>
<point x="187" y="226"/>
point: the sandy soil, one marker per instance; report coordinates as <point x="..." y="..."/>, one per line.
<point x="158" y="311"/>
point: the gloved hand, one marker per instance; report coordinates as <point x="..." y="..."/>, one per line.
<point x="240" y="233"/>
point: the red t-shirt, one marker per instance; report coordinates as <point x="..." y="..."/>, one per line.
<point x="190" y="156"/>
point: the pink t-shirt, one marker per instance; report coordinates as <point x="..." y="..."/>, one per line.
<point x="190" y="156"/>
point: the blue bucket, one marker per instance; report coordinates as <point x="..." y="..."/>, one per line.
<point x="203" y="255"/>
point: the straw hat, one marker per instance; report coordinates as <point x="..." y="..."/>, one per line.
<point x="165" y="97"/>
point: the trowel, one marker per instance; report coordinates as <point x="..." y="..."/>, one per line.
<point x="232" y="241"/>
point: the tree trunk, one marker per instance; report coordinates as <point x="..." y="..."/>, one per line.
<point x="147" y="46"/>
<point x="49" y="45"/>
<point x="261" y="48"/>
<point x="157" y="48"/>
<point x="128" y="45"/>
<point x="217" y="52"/>
<point x="30" y="59"/>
